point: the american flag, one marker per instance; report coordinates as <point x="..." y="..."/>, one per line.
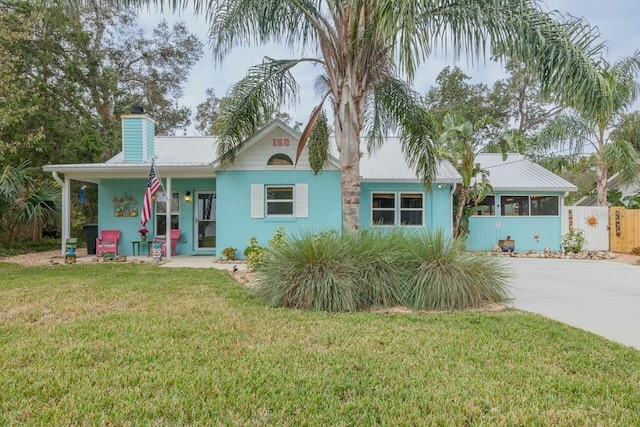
<point x="153" y="185"/>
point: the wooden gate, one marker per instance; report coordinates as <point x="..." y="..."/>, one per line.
<point x="624" y="229"/>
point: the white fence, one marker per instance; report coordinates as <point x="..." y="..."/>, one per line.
<point x="593" y="221"/>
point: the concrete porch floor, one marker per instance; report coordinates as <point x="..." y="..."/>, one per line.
<point x="176" y="261"/>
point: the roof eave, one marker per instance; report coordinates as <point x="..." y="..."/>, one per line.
<point x="536" y="189"/>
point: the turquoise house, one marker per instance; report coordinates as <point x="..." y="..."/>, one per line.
<point x="525" y="205"/>
<point x="216" y="207"/>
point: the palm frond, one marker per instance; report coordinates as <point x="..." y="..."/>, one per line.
<point x="250" y="101"/>
<point x="565" y="134"/>
<point x="395" y="106"/>
<point x="561" y="50"/>
<point x="623" y="158"/>
<point x="238" y="22"/>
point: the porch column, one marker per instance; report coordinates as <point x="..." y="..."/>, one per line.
<point x="65" y="186"/>
<point x="167" y="231"/>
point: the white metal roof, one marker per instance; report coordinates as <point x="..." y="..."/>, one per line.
<point x="180" y="150"/>
<point x="518" y="173"/>
<point x="388" y="163"/>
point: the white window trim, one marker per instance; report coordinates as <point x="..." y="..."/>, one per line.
<point x="172" y="213"/>
<point x="292" y="201"/>
<point x="395" y="212"/>
<point x="398" y="209"/>
<point x="270" y="155"/>
<point x="401" y="209"/>
<point x="300" y="201"/>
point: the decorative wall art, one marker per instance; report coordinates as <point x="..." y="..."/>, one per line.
<point x="125" y="205"/>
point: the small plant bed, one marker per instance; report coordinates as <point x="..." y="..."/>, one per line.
<point x="595" y="255"/>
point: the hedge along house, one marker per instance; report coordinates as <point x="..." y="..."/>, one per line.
<point x="216" y="207"/>
<point x="525" y="205"/>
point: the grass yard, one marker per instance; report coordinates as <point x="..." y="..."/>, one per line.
<point x="125" y="344"/>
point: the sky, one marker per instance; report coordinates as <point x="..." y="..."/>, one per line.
<point x="617" y="21"/>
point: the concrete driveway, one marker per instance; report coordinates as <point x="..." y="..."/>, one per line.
<point x="598" y="296"/>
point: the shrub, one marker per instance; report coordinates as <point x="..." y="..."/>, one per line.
<point x="360" y="270"/>
<point x="255" y="253"/>
<point x="379" y="257"/>
<point x="310" y="272"/>
<point x="573" y="241"/>
<point x="229" y="253"/>
<point x="444" y="276"/>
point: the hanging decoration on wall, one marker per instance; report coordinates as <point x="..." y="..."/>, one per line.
<point x="592" y="221"/>
<point x="125" y="205"/>
<point x="570" y="219"/>
<point x="81" y="195"/>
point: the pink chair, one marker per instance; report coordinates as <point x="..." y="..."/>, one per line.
<point x="175" y="235"/>
<point x="108" y="241"/>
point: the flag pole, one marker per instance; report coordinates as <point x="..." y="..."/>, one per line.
<point x="167" y="213"/>
<point x="153" y="165"/>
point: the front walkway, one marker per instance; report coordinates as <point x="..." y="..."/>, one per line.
<point x="598" y="296"/>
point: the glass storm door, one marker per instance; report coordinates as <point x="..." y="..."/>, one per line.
<point x="205" y="217"/>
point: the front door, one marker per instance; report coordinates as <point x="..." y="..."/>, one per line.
<point x="205" y="218"/>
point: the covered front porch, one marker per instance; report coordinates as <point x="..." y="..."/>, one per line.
<point x="185" y="202"/>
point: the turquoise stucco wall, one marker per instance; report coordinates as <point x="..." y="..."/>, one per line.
<point x="437" y="204"/>
<point x="235" y="225"/>
<point x="129" y="226"/>
<point x="484" y="235"/>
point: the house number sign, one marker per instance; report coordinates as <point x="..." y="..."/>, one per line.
<point x="280" y="142"/>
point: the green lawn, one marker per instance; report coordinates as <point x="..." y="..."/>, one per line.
<point x="133" y="344"/>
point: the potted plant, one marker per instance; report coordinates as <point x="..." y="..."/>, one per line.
<point x="507" y="245"/>
<point x="573" y="241"/>
<point x="143" y="234"/>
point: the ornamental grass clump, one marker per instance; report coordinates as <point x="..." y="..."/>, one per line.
<point x="444" y="276"/>
<point x="379" y="257"/>
<point x="313" y="272"/>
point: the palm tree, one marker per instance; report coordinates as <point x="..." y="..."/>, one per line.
<point x="592" y="129"/>
<point x="368" y="52"/>
<point x="461" y="143"/>
<point x="23" y="201"/>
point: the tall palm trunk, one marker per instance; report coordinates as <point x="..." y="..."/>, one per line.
<point x="601" y="171"/>
<point x="462" y="201"/>
<point x="349" y="114"/>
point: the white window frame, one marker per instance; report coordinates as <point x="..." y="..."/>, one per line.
<point x="401" y="209"/>
<point x="398" y="209"/>
<point x="280" y="201"/>
<point x="171" y="214"/>
<point x="394" y="209"/>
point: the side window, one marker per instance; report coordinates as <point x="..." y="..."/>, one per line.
<point x="161" y="210"/>
<point x="487" y="206"/>
<point x="383" y="209"/>
<point x="411" y="209"/>
<point x="544" y="205"/>
<point x="514" y="205"/>
<point x="279" y="200"/>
